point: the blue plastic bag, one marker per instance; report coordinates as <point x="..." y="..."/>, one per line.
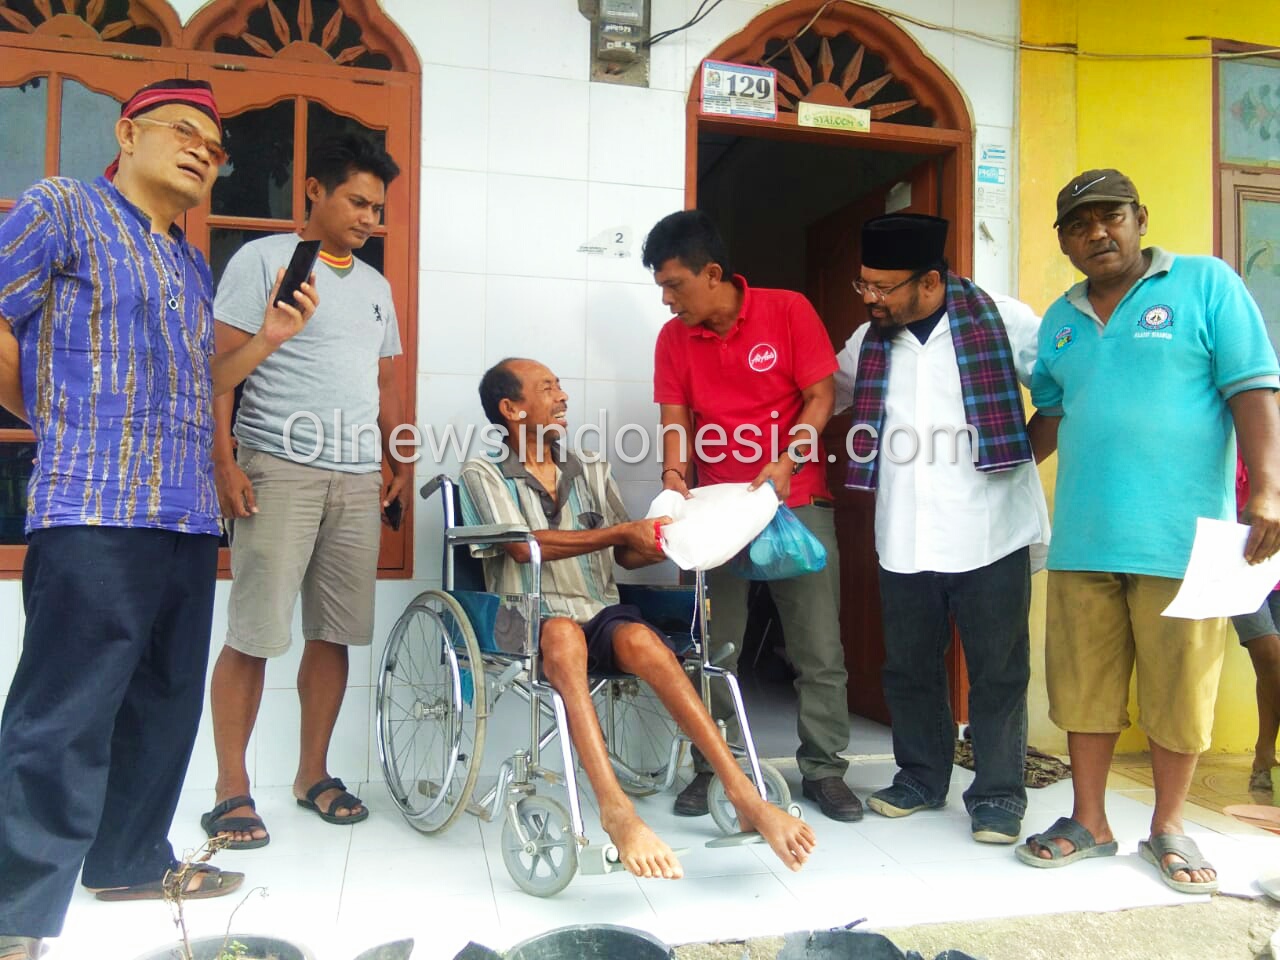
<point x="783" y="549"/>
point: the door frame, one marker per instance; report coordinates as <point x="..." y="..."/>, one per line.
<point x="950" y="140"/>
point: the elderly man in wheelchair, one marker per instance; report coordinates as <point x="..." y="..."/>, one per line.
<point x="543" y="622"/>
<point x="575" y="513"/>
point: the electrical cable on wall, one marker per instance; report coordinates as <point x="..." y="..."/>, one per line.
<point x="698" y="15"/>
<point x="1006" y="42"/>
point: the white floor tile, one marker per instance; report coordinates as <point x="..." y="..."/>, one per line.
<point x="716" y="908"/>
<point x="885" y="895"/>
<point x="341" y="890"/>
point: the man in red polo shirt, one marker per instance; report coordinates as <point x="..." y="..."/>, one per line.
<point x="747" y="378"/>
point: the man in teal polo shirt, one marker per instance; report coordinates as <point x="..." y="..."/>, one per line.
<point x="1144" y="369"/>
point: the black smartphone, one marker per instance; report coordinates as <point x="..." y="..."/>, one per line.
<point x="299" y="269"/>
<point x="393" y="512"/>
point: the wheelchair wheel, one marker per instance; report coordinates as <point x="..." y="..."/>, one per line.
<point x="545" y="865"/>
<point x="639" y="733"/>
<point x="776" y="792"/>
<point x="431" y="712"/>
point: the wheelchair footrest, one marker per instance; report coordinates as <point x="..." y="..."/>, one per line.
<point x="600" y="858"/>
<point x="596" y="859"/>
<point x="736" y="840"/>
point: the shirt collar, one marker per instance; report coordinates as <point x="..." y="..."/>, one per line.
<point x="512" y="468"/>
<point x="109" y="186"/>
<point x="1078" y="295"/>
<point x="740" y="282"/>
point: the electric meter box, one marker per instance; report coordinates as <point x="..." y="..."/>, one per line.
<point x="622" y="11"/>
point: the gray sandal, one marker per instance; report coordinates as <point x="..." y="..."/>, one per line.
<point x="20" y="948"/>
<point x="1158" y="847"/>
<point x="1064" y="829"/>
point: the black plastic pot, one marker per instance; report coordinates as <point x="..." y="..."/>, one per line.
<point x="256" y="948"/>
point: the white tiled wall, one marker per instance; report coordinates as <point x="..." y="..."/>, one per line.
<point x="523" y="160"/>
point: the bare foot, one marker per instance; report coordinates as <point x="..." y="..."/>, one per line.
<point x="790" y="837"/>
<point x="639" y="848"/>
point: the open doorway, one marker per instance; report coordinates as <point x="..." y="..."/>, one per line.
<point x="797" y="227"/>
<point x="790" y="201"/>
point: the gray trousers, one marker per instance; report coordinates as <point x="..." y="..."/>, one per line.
<point x="809" y="607"/>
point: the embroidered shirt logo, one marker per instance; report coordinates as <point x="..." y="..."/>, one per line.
<point x="762" y="357"/>
<point x="1158" y="317"/>
<point x="377" y="314"/>
<point x="1063" y="337"/>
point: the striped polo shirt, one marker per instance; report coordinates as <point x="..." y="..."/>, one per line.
<point x="115" y="329"/>
<point x="496" y="488"/>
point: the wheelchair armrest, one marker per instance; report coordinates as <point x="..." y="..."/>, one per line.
<point x="488" y="534"/>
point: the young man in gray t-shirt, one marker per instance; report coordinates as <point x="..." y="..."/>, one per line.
<point x="303" y="484"/>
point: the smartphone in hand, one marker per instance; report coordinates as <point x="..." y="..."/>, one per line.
<point x="393" y="513"/>
<point x="299" y="269"/>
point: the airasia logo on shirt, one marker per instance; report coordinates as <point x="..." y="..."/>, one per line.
<point x="762" y="357"/>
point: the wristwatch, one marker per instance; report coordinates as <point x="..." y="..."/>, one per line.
<point x="798" y="462"/>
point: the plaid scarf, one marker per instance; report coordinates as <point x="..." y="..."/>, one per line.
<point x="988" y="383"/>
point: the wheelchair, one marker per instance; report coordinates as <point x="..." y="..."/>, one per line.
<point x="455" y="652"/>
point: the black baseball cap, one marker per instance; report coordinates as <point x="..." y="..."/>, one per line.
<point x="1095" y="186"/>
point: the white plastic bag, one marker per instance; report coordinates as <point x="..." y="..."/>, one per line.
<point x="718" y="521"/>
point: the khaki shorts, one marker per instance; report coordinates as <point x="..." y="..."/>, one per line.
<point x="316" y="531"/>
<point x="1098" y="625"/>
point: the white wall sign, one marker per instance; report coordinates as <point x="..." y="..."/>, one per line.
<point x="737" y="90"/>
<point x="614" y="242"/>
<point x="991" y="194"/>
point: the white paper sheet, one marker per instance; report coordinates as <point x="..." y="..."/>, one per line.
<point x="1219" y="582"/>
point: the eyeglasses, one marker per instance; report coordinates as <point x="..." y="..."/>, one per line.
<point x="189" y="137"/>
<point x="879" y="294"/>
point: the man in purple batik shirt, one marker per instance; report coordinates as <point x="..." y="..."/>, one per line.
<point x="106" y="332"/>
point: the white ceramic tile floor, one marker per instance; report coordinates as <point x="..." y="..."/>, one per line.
<point x="341" y="890"/>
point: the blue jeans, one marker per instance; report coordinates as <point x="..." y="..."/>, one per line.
<point x="990" y="608"/>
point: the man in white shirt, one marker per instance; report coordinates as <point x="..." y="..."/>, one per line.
<point x="940" y="435"/>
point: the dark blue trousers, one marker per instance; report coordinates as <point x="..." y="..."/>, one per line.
<point x="102" y="713"/>
<point x="990" y="607"/>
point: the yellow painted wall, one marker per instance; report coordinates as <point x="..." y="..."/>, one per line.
<point x="1152" y="120"/>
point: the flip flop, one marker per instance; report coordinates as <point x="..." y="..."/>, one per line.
<point x="216" y="822"/>
<point x="213" y="883"/>
<point x="1158" y="847"/>
<point x="20" y="948"/>
<point x="344" y="799"/>
<point x="1064" y="829"/>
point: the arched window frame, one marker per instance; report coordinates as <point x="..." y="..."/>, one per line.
<point x="112" y="53"/>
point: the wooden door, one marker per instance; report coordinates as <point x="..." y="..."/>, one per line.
<point x="834" y="257"/>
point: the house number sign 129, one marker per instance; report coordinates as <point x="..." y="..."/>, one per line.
<point x="738" y="90"/>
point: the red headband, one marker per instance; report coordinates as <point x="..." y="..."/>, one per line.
<point x="196" y="94"/>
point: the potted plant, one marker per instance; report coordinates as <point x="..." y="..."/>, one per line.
<point x="228" y="946"/>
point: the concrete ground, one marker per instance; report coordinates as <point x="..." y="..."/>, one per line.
<point x="1224" y="928"/>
